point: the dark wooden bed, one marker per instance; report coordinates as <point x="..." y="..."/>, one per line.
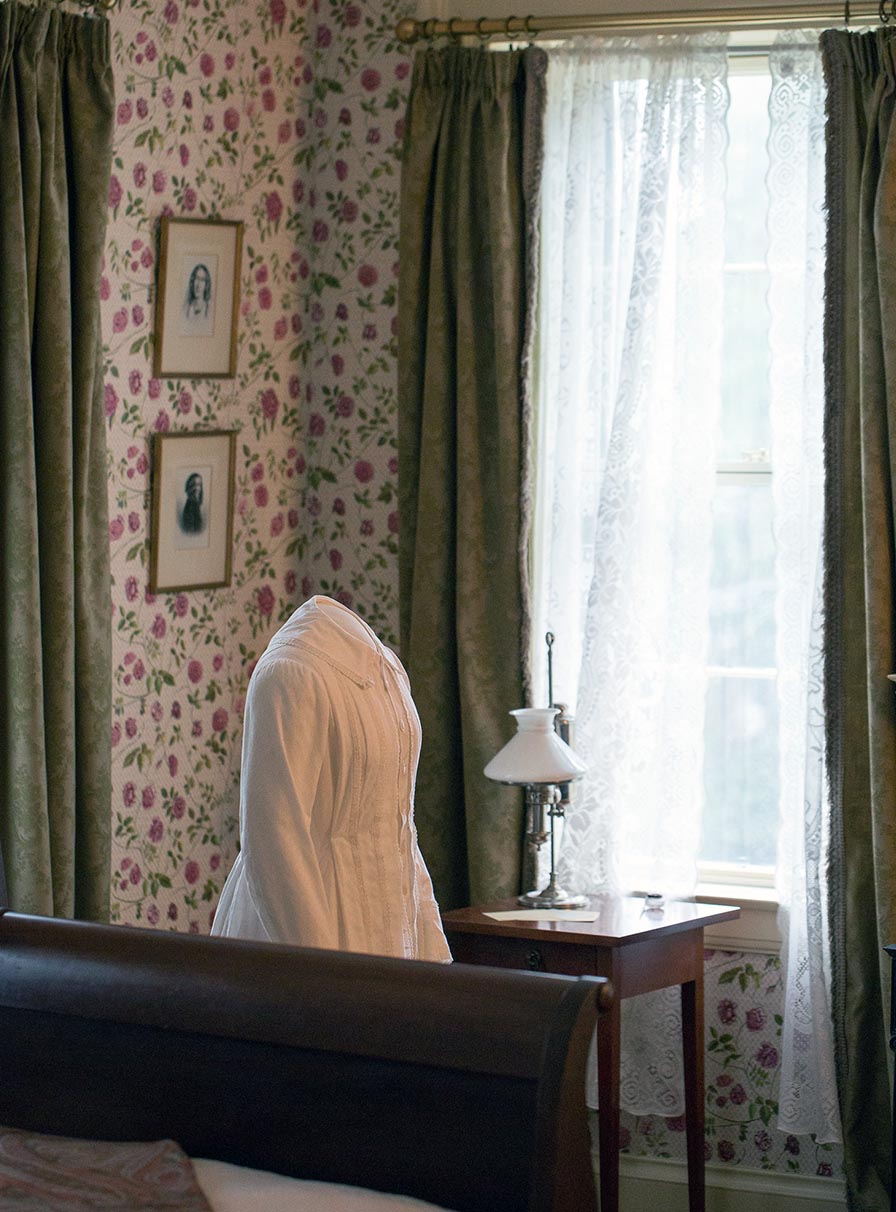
<point x="458" y="1085"/>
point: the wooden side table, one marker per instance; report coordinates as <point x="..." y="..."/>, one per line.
<point x="639" y="952"/>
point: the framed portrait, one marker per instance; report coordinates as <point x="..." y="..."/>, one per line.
<point x="197" y="299"/>
<point x="192" y="510"/>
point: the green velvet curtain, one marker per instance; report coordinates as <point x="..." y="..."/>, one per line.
<point x="56" y="118"/>
<point x="469" y="184"/>
<point x="860" y="569"/>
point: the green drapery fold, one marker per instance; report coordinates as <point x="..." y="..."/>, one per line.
<point x="860" y="591"/>
<point x="469" y="183"/>
<point x="56" y="120"/>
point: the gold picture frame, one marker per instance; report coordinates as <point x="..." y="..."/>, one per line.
<point x="192" y="510"/>
<point x="198" y="299"/>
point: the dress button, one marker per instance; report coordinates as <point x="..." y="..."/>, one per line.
<point x="401" y="725"/>
<point x="404" y="767"/>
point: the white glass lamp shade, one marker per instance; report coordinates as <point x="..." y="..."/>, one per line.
<point x="536" y="754"/>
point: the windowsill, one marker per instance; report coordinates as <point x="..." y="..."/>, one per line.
<point x="752" y="896"/>
<point x="756" y="930"/>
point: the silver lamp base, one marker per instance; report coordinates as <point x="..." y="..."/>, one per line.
<point x="552" y="897"/>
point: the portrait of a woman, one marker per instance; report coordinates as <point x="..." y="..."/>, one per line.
<point x="199" y="292"/>
<point x="199" y="281"/>
<point x="191" y="508"/>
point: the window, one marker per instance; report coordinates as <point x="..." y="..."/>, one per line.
<point x="678" y="470"/>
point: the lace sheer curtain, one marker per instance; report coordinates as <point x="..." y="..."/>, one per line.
<point x="629" y="370"/>
<point x="808" y="1092"/>
<point x="627" y="388"/>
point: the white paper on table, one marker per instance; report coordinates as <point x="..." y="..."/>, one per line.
<point x="543" y="915"/>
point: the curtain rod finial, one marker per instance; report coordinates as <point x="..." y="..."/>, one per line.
<point x="406" y="30"/>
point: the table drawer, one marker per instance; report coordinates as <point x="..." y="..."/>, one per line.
<point x="562" y="959"/>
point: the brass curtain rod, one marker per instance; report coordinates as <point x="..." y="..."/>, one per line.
<point x="103" y="6"/>
<point x="792" y="16"/>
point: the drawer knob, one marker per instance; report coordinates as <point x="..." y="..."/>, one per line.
<point x="534" y="961"/>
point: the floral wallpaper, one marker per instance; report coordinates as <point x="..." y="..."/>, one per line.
<point x="287" y="114"/>
<point x="350" y="277"/>
<point x="743" y="1004"/>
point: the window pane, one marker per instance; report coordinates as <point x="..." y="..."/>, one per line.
<point x="746" y="200"/>
<point x="744" y="422"/>
<point x="742" y="593"/>
<point x="744" y="413"/>
<point x="740" y="817"/>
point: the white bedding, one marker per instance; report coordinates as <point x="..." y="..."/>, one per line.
<point x="239" y="1189"/>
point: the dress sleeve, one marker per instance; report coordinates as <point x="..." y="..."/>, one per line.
<point x="285" y="748"/>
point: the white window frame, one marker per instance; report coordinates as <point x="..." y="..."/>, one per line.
<point x="752" y="470"/>
<point x="750" y="887"/>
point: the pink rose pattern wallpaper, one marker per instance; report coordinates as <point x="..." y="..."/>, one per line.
<point x="742" y="1017"/>
<point x="288" y="117"/>
<point x="287" y="114"/>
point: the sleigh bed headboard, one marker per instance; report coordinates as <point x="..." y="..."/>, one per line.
<point x="458" y="1085"/>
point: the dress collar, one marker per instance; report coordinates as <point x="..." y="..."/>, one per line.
<point x="316" y="625"/>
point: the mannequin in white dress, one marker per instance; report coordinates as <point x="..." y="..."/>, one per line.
<point x="328" y="849"/>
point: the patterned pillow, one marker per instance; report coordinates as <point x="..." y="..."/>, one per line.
<point x="58" y="1174"/>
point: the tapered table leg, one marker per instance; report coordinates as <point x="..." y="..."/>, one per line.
<point x="692" y="1042"/>
<point x="608" y="1058"/>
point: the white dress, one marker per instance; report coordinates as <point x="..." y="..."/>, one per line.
<point x="328" y="849"/>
